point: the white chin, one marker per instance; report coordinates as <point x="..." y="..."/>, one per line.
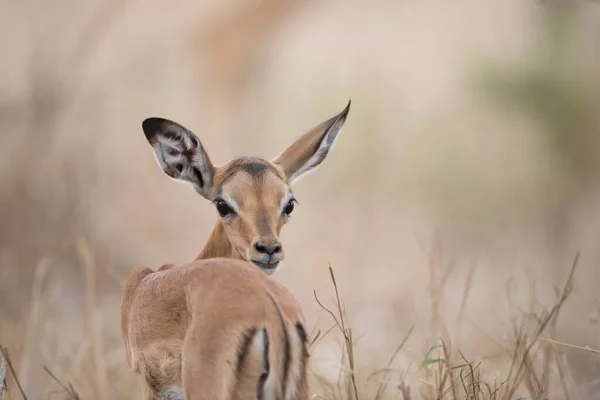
<point x="269" y="269"/>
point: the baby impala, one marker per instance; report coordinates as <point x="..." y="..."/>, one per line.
<point x="219" y="328"/>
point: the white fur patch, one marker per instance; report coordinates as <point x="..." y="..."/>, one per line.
<point x="288" y="196"/>
<point x="230" y="202"/>
<point x="171" y="393"/>
<point x="259" y="341"/>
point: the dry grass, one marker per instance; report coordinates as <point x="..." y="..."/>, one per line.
<point x="537" y="366"/>
<point x="534" y="363"/>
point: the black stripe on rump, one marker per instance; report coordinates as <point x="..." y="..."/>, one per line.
<point x="242" y="351"/>
<point x="304" y="339"/>
<point x="287" y="356"/>
<point x="304" y="356"/>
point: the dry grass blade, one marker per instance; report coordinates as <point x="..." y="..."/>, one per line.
<point x="36" y="310"/>
<point x="474" y="382"/>
<point x="443" y="369"/>
<point x="585" y="348"/>
<point x="6" y="358"/>
<point x="313" y="337"/>
<point x="465" y="296"/>
<point x="346" y="332"/>
<point x="387" y="369"/>
<point x="93" y="323"/>
<point x="325" y="384"/>
<point x="67" y="388"/>
<point x="320" y="337"/>
<point x="328" y="310"/>
<point x="2" y="376"/>
<point x="522" y="357"/>
<point x="404" y="390"/>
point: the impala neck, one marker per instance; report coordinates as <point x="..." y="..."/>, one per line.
<point x="218" y="245"/>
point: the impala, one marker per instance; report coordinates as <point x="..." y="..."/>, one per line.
<point x="220" y="327"/>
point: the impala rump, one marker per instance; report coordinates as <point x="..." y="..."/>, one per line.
<point x="218" y="328"/>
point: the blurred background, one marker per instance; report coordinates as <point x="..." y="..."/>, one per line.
<point x="463" y="184"/>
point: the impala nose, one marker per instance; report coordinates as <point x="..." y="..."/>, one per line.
<point x="269" y="249"/>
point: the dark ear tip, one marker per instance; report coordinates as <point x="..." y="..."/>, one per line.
<point x="151" y="126"/>
<point x="344" y="112"/>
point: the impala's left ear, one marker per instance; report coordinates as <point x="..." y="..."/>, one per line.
<point x="310" y="149"/>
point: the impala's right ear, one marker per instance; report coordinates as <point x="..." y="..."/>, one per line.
<point x="180" y="153"/>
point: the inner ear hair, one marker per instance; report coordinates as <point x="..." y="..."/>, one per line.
<point x="179" y="153"/>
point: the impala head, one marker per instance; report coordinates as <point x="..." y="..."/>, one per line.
<point x="253" y="197"/>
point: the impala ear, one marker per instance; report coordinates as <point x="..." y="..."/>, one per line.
<point x="310" y="149"/>
<point x="179" y="153"/>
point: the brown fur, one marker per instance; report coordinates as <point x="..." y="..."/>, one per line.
<point x="182" y="327"/>
<point x="220" y="328"/>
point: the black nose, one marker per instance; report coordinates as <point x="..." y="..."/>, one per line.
<point x="268" y="249"/>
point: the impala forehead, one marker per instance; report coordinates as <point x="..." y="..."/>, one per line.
<point x="255" y="167"/>
<point x="254" y="183"/>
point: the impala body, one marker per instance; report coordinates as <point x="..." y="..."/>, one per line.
<point x="221" y="327"/>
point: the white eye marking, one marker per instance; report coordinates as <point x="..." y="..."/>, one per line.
<point x="288" y="196"/>
<point x="230" y="202"/>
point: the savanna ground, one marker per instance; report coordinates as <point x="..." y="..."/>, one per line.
<point x="451" y="209"/>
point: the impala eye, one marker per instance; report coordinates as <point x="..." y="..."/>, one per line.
<point x="223" y="208"/>
<point x="289" y="207"/>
